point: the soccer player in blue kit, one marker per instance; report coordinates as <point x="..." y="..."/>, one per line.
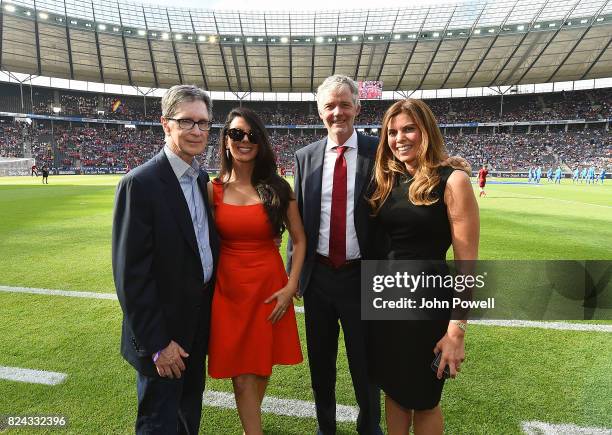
<point x="558" y="175"/>
<point x="590" y="178"/>
<point x="602" y="175"/>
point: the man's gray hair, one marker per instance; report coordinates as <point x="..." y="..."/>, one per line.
<point x="335" y="82"/>
<point x="184" y="94"/>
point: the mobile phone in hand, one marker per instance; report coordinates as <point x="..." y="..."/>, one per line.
<point x="436" y="363"/>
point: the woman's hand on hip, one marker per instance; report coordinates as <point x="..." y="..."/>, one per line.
<point x="283" y="300"/>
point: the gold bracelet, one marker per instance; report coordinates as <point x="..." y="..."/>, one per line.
<point x="460" y="324"/>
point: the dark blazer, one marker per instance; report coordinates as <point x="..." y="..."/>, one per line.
<point x="156" y="263"/>
<point x="308" y="182"/>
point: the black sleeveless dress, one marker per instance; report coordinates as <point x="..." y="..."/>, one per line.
<point x="400" y="353"/>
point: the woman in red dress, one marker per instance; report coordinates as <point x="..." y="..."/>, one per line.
<point x="253" y="324"/>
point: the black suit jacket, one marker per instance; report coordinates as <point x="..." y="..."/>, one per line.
<point x="308" y="183"/>
<point x="156" y="263"/>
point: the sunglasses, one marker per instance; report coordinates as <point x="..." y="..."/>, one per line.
<point x="237" y="134"/>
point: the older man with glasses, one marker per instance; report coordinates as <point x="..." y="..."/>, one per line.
<point x="331" y="180"/>
<point x="165" y="248"/>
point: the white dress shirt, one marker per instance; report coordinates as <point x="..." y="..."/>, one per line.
<point x="329" y="160"/>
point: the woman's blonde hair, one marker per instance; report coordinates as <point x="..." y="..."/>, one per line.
<point x="430" y="154"/>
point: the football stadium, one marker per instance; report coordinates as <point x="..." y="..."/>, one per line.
<point x="522" y="88"/>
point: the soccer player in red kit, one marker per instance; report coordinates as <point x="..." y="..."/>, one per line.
<point x="482" y="179"/>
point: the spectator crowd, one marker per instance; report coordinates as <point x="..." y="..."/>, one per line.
<point x="92" y="145"/>
<point x="101" y="146"/>
<point x="595" y="104"/>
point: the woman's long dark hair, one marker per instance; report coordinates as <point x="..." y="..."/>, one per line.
<point x="273" y="190"/>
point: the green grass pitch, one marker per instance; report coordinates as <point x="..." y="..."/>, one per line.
<point x="57" y="236"/>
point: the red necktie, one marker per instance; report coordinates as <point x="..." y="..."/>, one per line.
<point x="337" y="225"/>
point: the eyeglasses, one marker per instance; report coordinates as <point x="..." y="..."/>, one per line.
<point x="237" y="134"/>
<point x="187" y="124"/>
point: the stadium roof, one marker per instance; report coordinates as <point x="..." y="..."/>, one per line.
<point x="477" y="43"/>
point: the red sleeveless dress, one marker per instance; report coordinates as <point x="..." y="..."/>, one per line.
<point x="242" y="340"/>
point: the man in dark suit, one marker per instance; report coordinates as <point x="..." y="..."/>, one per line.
<point x="164" y="251"/>
<point x="331" y="177"/>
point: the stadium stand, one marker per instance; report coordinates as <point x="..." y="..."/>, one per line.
<point x="578" y="138"/>
<point x="587" y="105"/>
<point x="100" y="146"/>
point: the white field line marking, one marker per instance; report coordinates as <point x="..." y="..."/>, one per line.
<point x="292" y="407"/>
<point x="562" y="326"/>
<point x="68" y="293"/>
<point x="542" y="428"/>
<point x="31" y="376"/>
<point x="569" y="201"/>
<point x="274" y="405"/>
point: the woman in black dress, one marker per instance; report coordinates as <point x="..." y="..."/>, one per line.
<point x="424" y="207"/>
